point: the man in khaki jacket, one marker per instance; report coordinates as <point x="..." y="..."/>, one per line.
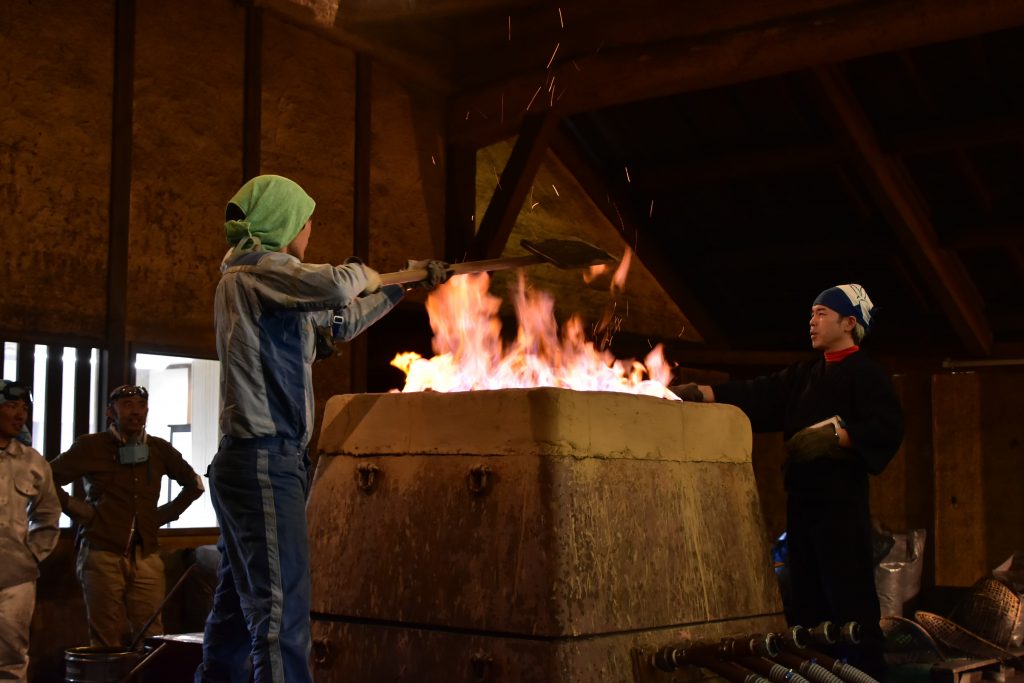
<point x="29" y="518"/>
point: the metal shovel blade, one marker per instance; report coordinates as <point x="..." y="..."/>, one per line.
<point x="561" y="253"/>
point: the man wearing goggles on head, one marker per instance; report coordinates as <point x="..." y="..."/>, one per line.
<point x="121" y="572"/>
<point x="29" y="520"/>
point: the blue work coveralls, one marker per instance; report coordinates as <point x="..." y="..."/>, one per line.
<point x="271" y="310"/>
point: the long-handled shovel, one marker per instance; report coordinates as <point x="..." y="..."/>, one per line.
<point x="149" y="657"/>
<point x="565" y="254"/>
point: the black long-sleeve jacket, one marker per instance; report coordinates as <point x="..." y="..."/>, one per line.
<point x="856" y="388"/>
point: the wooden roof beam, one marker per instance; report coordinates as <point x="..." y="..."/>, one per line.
<point x="375" y="11"/>
<point x="940" y="267"/>
<point x="608" y="200"/>
<point x="515" y="182"/>
<point x="640" y="72"/>
<point x="319" y="18"/>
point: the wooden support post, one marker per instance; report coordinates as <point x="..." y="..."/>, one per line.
<point x="54" y="399"/>
<point x="460" y="201"/>
<point x="118" y="363"/>
<point x="83" y="390"/>
<point x="961" y="550"/>
<point x="26" y="363"/>
<point x="252" y="108"/>
<point x="361" y="200"/>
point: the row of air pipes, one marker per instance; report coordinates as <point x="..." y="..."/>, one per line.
<point x="771" y="658"/>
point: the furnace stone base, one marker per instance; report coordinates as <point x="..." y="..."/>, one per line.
<point x="375" y="653"/>
<point x="553" y="530"/>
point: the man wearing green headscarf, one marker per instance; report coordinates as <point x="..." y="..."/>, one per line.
<point x="274" y="316"/>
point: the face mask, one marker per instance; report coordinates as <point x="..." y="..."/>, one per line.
<point x="133" y="454"/>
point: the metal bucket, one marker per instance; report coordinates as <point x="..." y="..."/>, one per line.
<point x="98" y="664"/>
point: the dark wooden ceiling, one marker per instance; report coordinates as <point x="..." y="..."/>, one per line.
<point x="758" y="151"/>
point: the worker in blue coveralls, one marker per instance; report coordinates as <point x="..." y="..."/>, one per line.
<point x="274" y="316"/>
<point x="842" y="422"/>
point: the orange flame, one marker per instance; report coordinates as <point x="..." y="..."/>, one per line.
<point x="592" y="273"/>
<point x="471" y="355"/>
<point x="619" y="278"/>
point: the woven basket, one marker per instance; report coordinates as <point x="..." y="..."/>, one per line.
<point x="990" y="610"/>
<point x="960" y="640"/>
<point x="906" y="642"/>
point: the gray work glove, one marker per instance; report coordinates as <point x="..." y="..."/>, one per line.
<point x="688" y="392"/>
<point x="437" y="273"/>
<point x="372" y="277"/>
<point x="813" y="443"/>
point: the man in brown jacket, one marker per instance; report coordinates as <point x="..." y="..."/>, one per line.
<point x="119" y="565"/>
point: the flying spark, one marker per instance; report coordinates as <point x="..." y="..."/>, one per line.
<point x="627" y="174"/>
<point x="550" y="61"/>
<point x="534" y="97"/>
<point x="556" y="191"/>
<point x="561" y="19"/>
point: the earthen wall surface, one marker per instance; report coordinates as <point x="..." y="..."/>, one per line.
<point x="186" y="162"/>
<point x="55" y="121"/>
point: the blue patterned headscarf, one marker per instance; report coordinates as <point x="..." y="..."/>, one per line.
<point x="847" y="300"/>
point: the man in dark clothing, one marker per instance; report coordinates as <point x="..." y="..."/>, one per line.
<point x="119" y="567"/>
<point x="842" y="421"/>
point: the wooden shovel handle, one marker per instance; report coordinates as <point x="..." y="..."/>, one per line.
<point x="416" y="274"/>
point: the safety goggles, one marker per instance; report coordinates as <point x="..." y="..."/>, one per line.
<point x="127" y="391"/>
<point x="12" y="391"/>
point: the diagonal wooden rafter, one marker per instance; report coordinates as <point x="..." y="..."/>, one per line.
<point x="611" y="76"/>
<point x="515" y="182"/>
<point x="608" y="201"/>
<point x="940" y="267"/>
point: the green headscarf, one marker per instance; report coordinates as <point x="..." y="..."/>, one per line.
<point x="268" y="211"/>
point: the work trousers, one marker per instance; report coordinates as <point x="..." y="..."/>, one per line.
<point x="122" y="592"/>
<point x="260" y="615"/>
<point x="832" y="572"/>
<point x="16" y="606"/>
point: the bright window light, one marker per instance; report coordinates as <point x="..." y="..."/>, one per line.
<point x="184" y="402"/>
